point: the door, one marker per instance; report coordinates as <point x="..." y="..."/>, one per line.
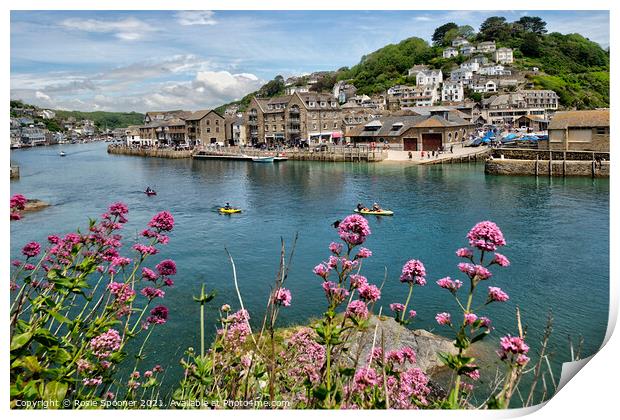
<point x="431" y="141"/>
<point x="410" y="144"/>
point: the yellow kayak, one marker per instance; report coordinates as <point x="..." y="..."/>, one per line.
<point x="376" y="213"/>
<point x="229" y="211"/>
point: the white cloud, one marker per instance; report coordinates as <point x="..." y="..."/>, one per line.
<point x="129" y="29"/>
<point x="195" y="17"/>
<point x="42" y="96"/>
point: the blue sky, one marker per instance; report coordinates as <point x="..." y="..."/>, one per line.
<point x="146" y="60"/>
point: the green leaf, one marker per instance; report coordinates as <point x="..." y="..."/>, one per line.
<point x="45" y="337"/>
<point x="58" y="317"/>
<point x="20" y="340"/>
<point x="320" y="393"/>
<point x="55" y="391"/>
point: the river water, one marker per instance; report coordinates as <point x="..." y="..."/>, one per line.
<point x="557" y="232"/>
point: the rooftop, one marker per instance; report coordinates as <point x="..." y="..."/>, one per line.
<point x="592" y="118"/>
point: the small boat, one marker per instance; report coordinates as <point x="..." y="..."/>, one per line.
<point x="375" y="212"/>
<point x="266" y="159"/>
<point x="229" y="211"/>
<point x="150" y="193"/>
<point x="62" y="153"/>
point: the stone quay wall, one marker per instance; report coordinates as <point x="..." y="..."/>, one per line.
<point x="159" y="153"/>
<point x="557" y="168"/>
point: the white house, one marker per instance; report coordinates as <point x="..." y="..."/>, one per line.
<point x="494" y="70"/>
<point x="503" y="55"/>
<point x="429" y="77"/>
<point x="483" y="86"/>
<point x="459" y="42"/>
<point x="452" y="92"/>
<point x="398" y="90"/>
<point x="450" y="52"/>
<point x="486" y="47"/>
<point x="420" y="96"/>
<point x="301" y="89"/>
<point x="472" y="66"/>
<point x="468" y="49"/>
<point x="461" y="75"/>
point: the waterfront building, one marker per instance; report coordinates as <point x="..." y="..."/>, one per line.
<point x="531" y="123"/>
<point x="450" y="52"/>
<point x="292" y="119"/>
<point x="133" y="139"/>
<point x="170" y="132"/>
<point x="352" y="117"/>
<point x="153" y="116"/>
<point x="503" y="56"/>
<point x="205" y="127"/>
<point x="506" y="108"/>
<point x="33" y="136"/>
<point x="440" y="129"/>
<point x="579" y="130"/>
<point x="235" y="130"/>
<point x="452" y="92"/>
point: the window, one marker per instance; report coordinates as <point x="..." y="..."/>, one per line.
<point x="217" y="129"/>
<point x="314" y="126"/>
<point x="208" y="129"/>
<point x="325" y="126"/>
<point x="217" y="122"/>
<point x="275" y="127"/>
<point x="208" y="122"/>
<point x="266" y="128"/>
<point x="335" y="125"/>
<point x="600" y="130"/>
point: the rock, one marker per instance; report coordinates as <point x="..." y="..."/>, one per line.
<point x="34" y="205"/>
<point x="393" y="336"/>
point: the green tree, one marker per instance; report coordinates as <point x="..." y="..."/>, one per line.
<point x="531" y="45"/>
<point x="440" y="32"/>
<point x="494" y="28"/>
<point x="533" y="24"/>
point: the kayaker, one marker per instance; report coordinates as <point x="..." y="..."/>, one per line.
<point x="149" y="190"/>
<point x="376" y="207"/>
<point x="360" y="207"/>
<point x="227" y="206"/>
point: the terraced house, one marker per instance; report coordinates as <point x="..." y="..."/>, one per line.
<point x="293" y="119"/>
<point x="205" y="127"/>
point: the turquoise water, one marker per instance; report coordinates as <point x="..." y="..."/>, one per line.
<point x="557" y="232"/>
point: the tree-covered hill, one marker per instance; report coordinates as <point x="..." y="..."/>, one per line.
<point x="575" y="67"/>
<point x="105" y="119"/>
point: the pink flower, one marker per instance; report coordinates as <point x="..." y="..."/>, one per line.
<point x="29" y="267"/>
<point x="118" y="209"/>
<point x="16" y="263"/>
<point x="497" y="295"/>
<point x="486" y="236"/>
<point x="335" y="295"/>
<point x="168" y="282"/>
<point x="348" y="264"/>
<point x="31" y="249"/>
<point x="370" y="293"/>
<point x="485" y="322"/>
<point x="53" y="239"/>
<point x="92" y="381"/>
<point x="320" y="270"/>
<point x="356" y="309"/>
<point x="364" y="253"/>
<point x="166" y="268"/>
<point x="365" y="377"/>
<point x="413" y="273"/>
<point x="515" y="349"/>
<point x="464" y="253"/>
<point x="18" y="201"/>
<point x="397" y="307"/>
<point x="152" y="293"/>
<point x="145" y="250"/>
<point x="120" y="261"/>
<point x="105" y="343"/>
<point x="500" y="260"/>
<point x="473" y="375"/>
<point x="354" y="229"/>
<point x="412" y="313"/>
<point x="225" y="308"/>
<point x="357" y="281"/>
<point x="162" y="221"/>
<point x="443" y="318"/>
<point x="470" y="318"/>
<point x="149" y="274"/>
<point x="158" y="368"/>
<point x="448" y="283"/>
<point x="159" y="315"/>
<point x="282" y="297"/>
<point x="121" y="292"/>
<point x="332" y="262"/>
<point x="15" y="216"/>
<point x="335" y="248"/>
<point x="475" y="271"/>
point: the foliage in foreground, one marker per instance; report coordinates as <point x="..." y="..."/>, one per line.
<point x="79" y="304"/>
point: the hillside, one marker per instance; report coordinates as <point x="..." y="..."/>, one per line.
<point x="573" y="66"/>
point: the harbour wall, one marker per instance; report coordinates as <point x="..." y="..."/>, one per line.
<point x="159" y="153"/>
<point x="560" y="168"/>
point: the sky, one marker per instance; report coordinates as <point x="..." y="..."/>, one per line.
<point x="158" y="60"/>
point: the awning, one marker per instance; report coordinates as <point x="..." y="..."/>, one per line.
<point x="336" y="135"/>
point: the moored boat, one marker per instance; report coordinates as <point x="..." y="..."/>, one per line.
<point x="265" y="159"/>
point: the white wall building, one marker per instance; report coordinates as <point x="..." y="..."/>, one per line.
<point x="461" y="75"/>
<point x="429" y="77"/>
<point x="486" y="47"/>
<point x="494" y="70"/>
<point x="503" y="56"/>
<point x="472" y="66"/>
<point x="459" y="42"/>
<point x="468" y="49"/>
<point x="452" y="92"/>
<point x="450" y="52"/>
<point x="484" y="86"/>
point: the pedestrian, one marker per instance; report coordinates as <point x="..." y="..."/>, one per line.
<point x="451" y="148"/>
<point x="410" y="155"/>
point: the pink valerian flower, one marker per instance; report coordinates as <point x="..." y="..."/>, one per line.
<point x="404" y="355"/>
<point x="473" y="375"/>
<point x="168" y="282"/>
<point x="15" y="216"/>
<point x="148" y="274"/>
<point x="332" y="262"/>
<point x="358" y="281"/>
<point x="145" y="249"/>
<point x="470" y="318"/>
<point x="238" y="329"/>
<point x="497" y="295"/>
<point x="397" y="307"/>
<point x="412" y="314"/>
<point x="159" y="315"/>
<point x="364" y="253"/>
<point x="348" y="264"/>
<point x="18" y="202"/>
<point x="105" y="364"/>
<point x="118" y="209"/>
<point x="163" y="239"/>
<point x="411" y="384"/>
<point x="321" y="271"/>
<point x="376" y="355"/>
<point x="31" y="249"/>
<point x="449" y="284"/>
<point x="16" y="263"/>
<point x="133" y="384"/>
<point x="307" y="355"/>
<point x="148" y="233"/>
<point x="486" y="236"/>
<point x="158" y="368"/>
<point x="135" y="375"/>
<point x="356" y="309"/>
<point x="162" y="221"/>
<point x="282" y="297"/>
<point x="53" y="239"/>
<point x="122" y="292"/>
<point x="514" y="350"/>
<point x="335" y="248"/>
<point x="148" y="374"/>
<point x="225" y="308"/>
<point x="120" y="261"/>
<point x="29" y="267"/>
<point x="485" y="322"/>
<point x="166" y="268"/>
<point x="152" y="293"/>
<point x="335" y="295"/>
<point x="13" y="286"/>
<point x="365" y="377"/>
<point x="500" y="260"/>
<point x="369" y="293"/>
<point x="464" y="253"/>
<point x="109" y="396"/>
<point x="104" y="344"/>
<point x="92" y="381"/>
<point x="413" y="273"/>
<point x="443" y="318"/>
<point x="83" y="366"/>
<point x="354" y="229"/>
<point x="475" y="271"/>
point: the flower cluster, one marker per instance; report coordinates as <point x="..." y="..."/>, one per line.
<point x="354" y="229"/>
<point x="306" y="356"/>
<point x="486" y="236"/>
<point x="514" y="350"/>
<point x="282" y="297"/>
<point x="413" y="273"/>
<point x="18" y="202"/>
<point x="449" y="284"/>
<point x="122" y="292"/>
<point x="103" y="345"/>
<point x="236" y="328"/>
